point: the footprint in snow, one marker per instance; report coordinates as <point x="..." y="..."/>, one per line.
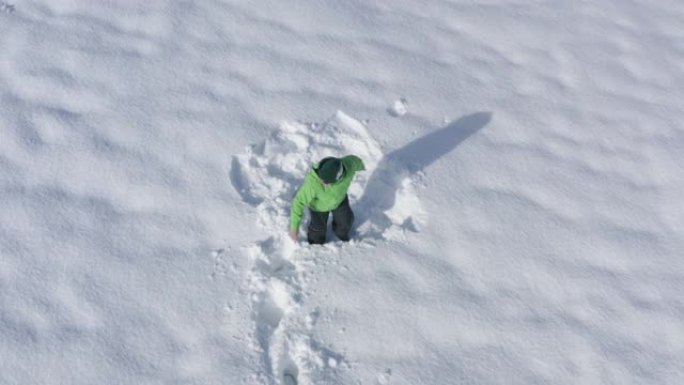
<point x="289" y="379"/>
<point x="290" y="373"/>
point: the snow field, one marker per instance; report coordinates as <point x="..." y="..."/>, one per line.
<point x="520" y="221"/>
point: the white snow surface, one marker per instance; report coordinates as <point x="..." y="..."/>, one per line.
<point x="520" y="219"/>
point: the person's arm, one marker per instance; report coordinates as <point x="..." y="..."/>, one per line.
<point x="353" y="163"/>
<point x="302" y="199"/>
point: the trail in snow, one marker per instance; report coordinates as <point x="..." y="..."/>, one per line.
<point x="267" y="177"/>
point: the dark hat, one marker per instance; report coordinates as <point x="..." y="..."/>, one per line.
<point x="330" y="170"/>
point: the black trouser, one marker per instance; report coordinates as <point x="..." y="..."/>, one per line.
<point x="343" y="217"/>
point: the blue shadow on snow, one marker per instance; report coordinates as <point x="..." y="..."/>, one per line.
<point x="380" y="192"/>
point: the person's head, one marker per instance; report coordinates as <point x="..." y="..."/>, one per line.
<point x="329" y="170"/>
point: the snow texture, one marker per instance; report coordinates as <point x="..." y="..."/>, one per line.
<point x="520" y="219"/>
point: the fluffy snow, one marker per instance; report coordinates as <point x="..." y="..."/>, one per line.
<point x="520" y="220"/>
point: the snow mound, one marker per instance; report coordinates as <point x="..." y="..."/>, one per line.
<point x="273" y="169"/>
<point x="399" y="108"/>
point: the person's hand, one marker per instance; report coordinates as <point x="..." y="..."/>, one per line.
<point x="293" y="234"/>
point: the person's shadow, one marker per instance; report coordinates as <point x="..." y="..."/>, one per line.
<point x="380" y="191"/>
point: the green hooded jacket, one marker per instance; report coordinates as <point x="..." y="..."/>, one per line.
<point x="319" y="197"/>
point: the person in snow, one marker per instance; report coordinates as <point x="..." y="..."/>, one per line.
<point x="325" y="191"/>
